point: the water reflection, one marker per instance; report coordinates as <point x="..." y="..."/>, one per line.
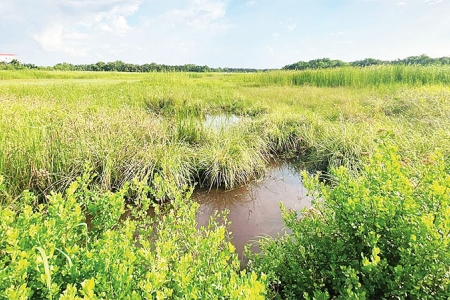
<point x="220" y="122"/>
<point x="254" y="208"/>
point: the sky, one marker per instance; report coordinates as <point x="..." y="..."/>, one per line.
<point x="222" y="33"/>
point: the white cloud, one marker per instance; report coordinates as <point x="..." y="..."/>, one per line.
<point x="127" y="7"/>
<point x="200" y="14"/>
<point x="339" y="33"/>
<point x="51" y="38"/>
<point x="291" y="27"/>
<point x="432" y="1"/>
<point x="54" y="39"/>
<point x="103" y="27"/>
<point x="121" y="25"/>
<point x="76" y="27"/>
<point x="221" y="32"/>
<point x="346" y="42"/>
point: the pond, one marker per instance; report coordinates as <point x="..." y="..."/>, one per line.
<point x="220" y="122"/>
<point x="254" y="209"/>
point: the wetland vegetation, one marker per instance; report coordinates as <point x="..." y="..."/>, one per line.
<point x="79" y="148"/>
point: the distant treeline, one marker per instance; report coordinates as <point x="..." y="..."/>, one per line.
<point x="120" y="66"/>
<point x="326" y="63"/>
<point x="321" y="63"/>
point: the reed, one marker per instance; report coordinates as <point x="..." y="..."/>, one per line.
<point x="356" y="77"/>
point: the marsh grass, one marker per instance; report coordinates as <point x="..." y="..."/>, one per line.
<point x="232" y="157"/>
<point x="356" y="77"/>
<point x="138" y="125"/>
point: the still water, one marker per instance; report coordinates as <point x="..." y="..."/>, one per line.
<point x="254" y="209"/>
<point x="221" y="122"/>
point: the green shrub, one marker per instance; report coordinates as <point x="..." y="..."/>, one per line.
<point x="382" y="235"/>
<point x="53" y="250"/>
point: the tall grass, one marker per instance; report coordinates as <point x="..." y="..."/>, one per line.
<point x="154" y="124"/>
<point x="232" y="157"/>
<point x="356" y="77"/>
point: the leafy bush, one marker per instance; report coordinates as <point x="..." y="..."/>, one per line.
<point x="382" y="235"/>
<point x="81" y="245"/>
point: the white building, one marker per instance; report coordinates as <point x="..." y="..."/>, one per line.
<point x="7" y="58"/>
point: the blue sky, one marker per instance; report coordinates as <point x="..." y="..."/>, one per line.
<point x="222" y="33"/>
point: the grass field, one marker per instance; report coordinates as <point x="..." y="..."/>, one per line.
<point x="116" y="142"/>
<point x="127" y="125"/>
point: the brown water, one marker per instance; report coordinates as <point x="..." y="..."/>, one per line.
<point x="254" y="208"/>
